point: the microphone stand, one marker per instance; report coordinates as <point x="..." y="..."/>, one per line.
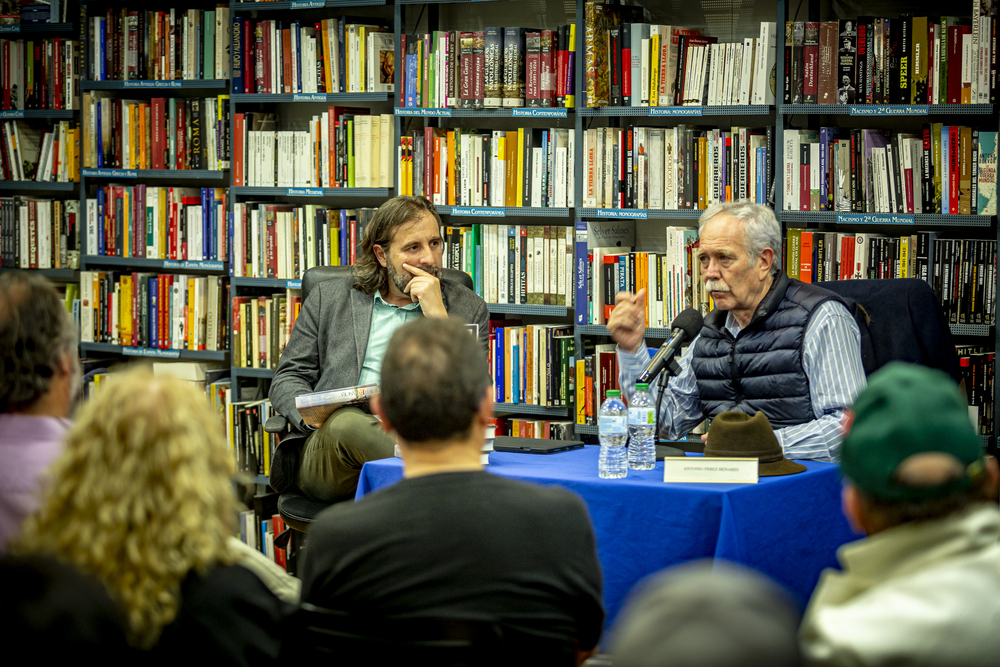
<point x="671" y="370"/>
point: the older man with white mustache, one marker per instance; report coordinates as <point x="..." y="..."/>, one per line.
<point x="774" y="344"/>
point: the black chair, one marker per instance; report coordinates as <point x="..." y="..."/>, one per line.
<point x="297" y="510"/>
<point x="314" y="634"/>
<point x="905" y="322"/>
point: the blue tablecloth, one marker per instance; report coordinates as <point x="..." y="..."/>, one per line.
<point x="786" y="527"/>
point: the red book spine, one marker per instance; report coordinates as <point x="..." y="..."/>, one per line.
<point x="157" y="132"/>
<point x="954" y="64"/>
<point x="181" y="134"/>
<point x="268" y="52"/>
<point x="810" y="85"/>
<point x="238" y="166"/>
<point x="562" y="58"/>
<point x="479" y="65"/>
<point x="286" y="60"/>
<point x="532" y="73"/>
<point x="400" y="81"/>
<point x="270" y="241"/>
<point x="354" y="240"/>
<point x="172" y="227"/>
<point x="548" y="68"/>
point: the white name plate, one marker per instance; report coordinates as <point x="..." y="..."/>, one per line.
<point x="710" y="469"/>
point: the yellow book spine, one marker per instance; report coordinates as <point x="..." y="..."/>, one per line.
<point x="451" y="167"/>
<point x="571" y="99"/>
<point x="904" y="256"/>
<point x="654" y="70"/>
<point x="189" y="317"/>
<point x="581" y="392"/>
<point x="520" y="165"/>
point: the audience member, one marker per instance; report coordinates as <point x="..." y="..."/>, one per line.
<point x="142" y="500"/>
<point x="704" y="615"/>
<point x="340" y="338"/>
<point x="450" y="540"/>
<point x="924" y="587"/>
<point x="39" y="379"/>
<point x="58" y="614"/>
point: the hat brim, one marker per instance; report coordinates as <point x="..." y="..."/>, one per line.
<point x="778" y="468"/>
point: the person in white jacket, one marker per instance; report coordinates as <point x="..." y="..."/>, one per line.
<point x="924" y="587"/>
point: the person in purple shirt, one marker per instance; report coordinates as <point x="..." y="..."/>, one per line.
<point x="39" y="381"/>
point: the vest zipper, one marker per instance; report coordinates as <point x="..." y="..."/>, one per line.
<point x="734" y="371"/>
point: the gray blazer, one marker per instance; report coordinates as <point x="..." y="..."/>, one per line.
<point x="327" y="345"/>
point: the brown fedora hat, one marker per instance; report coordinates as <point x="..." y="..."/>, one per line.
<point x="739" y="434"/>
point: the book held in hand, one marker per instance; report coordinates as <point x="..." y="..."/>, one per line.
<point x="317" y="407"/>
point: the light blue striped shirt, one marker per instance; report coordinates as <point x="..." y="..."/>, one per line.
<point x="832" y="361"/>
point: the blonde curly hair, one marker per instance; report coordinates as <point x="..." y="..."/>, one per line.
<point x="140" y="497"/>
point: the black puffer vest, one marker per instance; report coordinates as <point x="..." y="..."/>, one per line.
<point x="761" y="369"/>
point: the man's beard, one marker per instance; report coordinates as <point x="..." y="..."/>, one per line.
<point x="716" y="286"/>
<point x="400" y="280"/>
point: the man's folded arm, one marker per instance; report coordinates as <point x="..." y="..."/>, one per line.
<point x="298" y="370"/>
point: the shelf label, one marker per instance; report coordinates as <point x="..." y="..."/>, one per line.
<point x="890" y="110"/>
<point x="309" y="97"/>
<point x="538" y="113"/>
<point x="621" y="213"/>
<point x="111" y="173"/>
<point x="151" y="84"/>
<point x="415" y="111"/>
<point x="304" y="192"/>
<point x="674" y="111"/>
<point x="11" y="114"/>
<point x="193" y="264"/>
<point x="10" y="28"/>
<point x="150" y="352"/>
<point x="874" y="219"/>
<point x="484" y="212"/>
<point x="714" y="469"/>
<point x="308" y="4"/>
<point x="293" y="284"/>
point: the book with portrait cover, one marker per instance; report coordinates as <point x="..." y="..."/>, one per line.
<point x="317" y="407"/>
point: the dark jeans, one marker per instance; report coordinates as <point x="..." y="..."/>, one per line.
<point x="332" y="457"/>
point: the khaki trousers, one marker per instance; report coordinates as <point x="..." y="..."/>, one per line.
<point x="332" y="457"/>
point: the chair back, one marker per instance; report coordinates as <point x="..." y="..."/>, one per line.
<point x="336" y="637"/>
<point x="905" y="320"/>
<point x="318" y="274"/>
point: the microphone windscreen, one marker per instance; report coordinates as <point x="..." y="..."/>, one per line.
<point x="690" y="320"/>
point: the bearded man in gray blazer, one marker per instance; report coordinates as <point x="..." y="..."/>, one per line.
<point x="342" y="332"/>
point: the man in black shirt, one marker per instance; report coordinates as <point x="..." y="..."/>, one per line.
<point x="450" y="540"/>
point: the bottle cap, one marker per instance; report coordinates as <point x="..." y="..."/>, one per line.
<point x="614" y="393"/>
<point x="642" y="386"/>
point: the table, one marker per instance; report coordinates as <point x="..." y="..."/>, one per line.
<point x="786" y="527"/>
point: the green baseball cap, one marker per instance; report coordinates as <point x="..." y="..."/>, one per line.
<point x="905" y="410"/>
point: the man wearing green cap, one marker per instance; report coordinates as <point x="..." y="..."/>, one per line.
<point x="924" y="587"/>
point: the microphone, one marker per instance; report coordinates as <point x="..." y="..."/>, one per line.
<point x="685" y="327"/>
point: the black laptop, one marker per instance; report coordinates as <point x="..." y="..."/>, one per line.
<point x="504" y="443"/>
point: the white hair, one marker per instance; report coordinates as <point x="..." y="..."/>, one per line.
<point x="760" y="227"/>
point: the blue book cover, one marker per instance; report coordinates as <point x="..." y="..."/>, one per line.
<point x="341" y="41"/>
<point x="103" y="42"/>
<point x="581" y="286"/>
<point x="623" y="272"/>
<point x="213" y="226"/>
<point x="237" y="51"/>
<point x="297" y="31"/>
<point x="199" y="253"/>
<point x="945" y="190"/>
<point x="513" y="264"/>
<point x="761" y="174"/>
<point x="824" y="144"/>
<point x="412" y="65"/>
<point x="498" y="365"/>
<point x="344" y="235"/>
<point x="100" y="221"/>
<point x="154" y="287"/>
<point x="515" y="373"/>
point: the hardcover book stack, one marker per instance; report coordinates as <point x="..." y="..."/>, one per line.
<point x="341" y="148"/>
<point x="465" y="167"/>
<point x="30" y="154"/>
<point x="131" y="44"/>
<point x="516" y="264"/>
<point x="492" y="68"/>
<point x="333" y="55"/>
<point x="675" y="167"/>
<point x="945" y="169"/>
<point x="978" y="367"/>
<point x="905" y="60"/>
<point x="531" y="364"/>
<point x="672" y="279"/>
<point x="39" y="74"/>
<point x="161" y="311"/>
<point x="159" y="133"/>
<point x="962" y="272"/>
<point x="158" y="222"/>
<point x="261" y="327"/>
<point x="39" y="233"/>
<point x="631" y="63"/>
<point x="284" y="241"/>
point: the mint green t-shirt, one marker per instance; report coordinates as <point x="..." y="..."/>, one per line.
<point x="386" y="318"/>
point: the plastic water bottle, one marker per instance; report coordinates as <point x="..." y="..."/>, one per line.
<point x="641" y="424"/>
<point x="612" y="426"/>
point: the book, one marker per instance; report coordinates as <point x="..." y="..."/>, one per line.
<point x="316" y="407"/>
